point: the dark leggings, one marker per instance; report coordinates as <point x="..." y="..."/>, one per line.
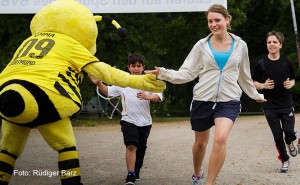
<point x="282" y="124"/>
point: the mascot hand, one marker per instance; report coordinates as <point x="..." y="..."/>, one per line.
<point x="147" y="82"/>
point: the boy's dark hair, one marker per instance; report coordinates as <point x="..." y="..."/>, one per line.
<point x="136" y="57"/>
<point x="277" y="34"/>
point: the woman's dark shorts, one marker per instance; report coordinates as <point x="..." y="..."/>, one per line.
<point x="204" y="113"/>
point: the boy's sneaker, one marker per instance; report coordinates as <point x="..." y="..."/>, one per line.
<point x="137" y="175"/>
<point x="198" y="180"/>
<point x="130" y="179"/>
<point x="285" y="167"/>
<point x="293" y="149"/>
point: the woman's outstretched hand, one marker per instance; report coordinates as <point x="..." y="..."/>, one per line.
<point x="155" y="71"/>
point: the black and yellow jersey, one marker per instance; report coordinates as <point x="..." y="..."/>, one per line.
<point x="59" y="58"/>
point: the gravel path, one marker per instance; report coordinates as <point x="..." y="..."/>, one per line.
<point x="251" y="156"/>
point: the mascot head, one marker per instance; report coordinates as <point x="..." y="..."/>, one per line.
<point x="73" y="19"/>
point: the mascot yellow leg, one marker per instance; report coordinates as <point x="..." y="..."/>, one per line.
<point x="13" y="141"/>
<point x="59" y="135"/>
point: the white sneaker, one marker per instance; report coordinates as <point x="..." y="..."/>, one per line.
<point x="285" y="167"/>
<point x="198" y="180"/>
<point x="293" y="149"/>
<point x="298" y="145"/>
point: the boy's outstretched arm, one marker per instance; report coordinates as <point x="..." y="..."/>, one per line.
<point x="103" y="88"/>
<point x="151" y="97"/>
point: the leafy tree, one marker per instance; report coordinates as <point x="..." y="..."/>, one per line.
<point x="14" y="28"/>
<point x="264" y="16"/>
<point x="166" y="39"/>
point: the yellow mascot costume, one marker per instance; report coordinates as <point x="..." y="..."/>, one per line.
<point x="39" y="87"/>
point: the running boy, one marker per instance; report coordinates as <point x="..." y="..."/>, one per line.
<point x="136" y="120"/>
<point x="274" y="75"/>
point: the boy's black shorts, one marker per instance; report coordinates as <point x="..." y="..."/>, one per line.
<point x="134" y="135"/>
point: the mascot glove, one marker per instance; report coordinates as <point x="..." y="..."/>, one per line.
<point x="147" y="82"/>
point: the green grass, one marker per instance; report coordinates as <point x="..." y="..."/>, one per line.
<point x="170" y="119"/>
<point x="94" y="120"/>
<point x="91" y="120"/>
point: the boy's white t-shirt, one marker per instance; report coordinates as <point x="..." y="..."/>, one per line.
<point x="134" y="111"/>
